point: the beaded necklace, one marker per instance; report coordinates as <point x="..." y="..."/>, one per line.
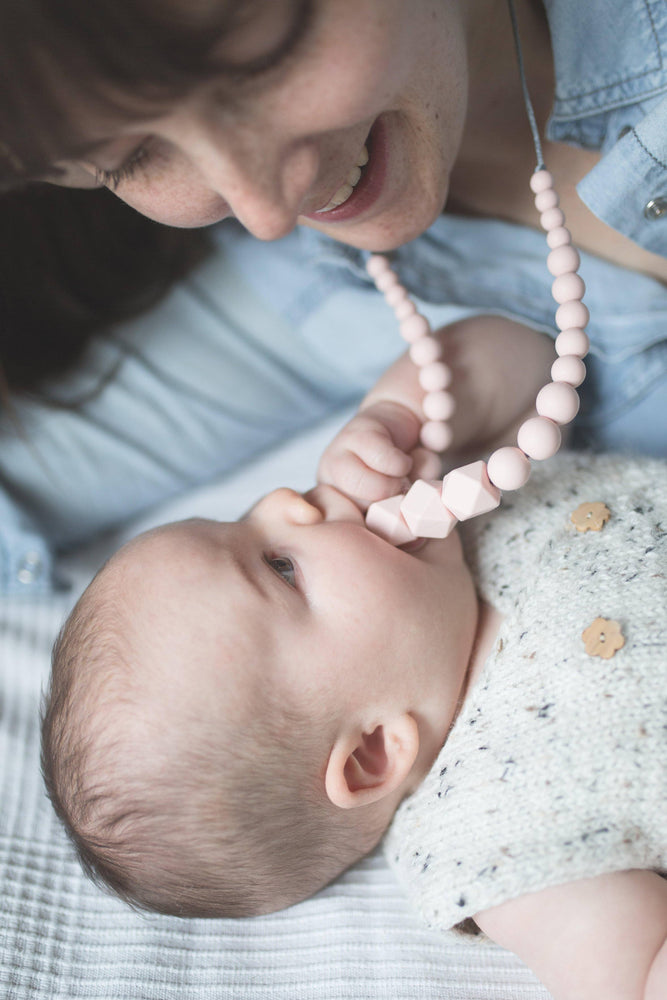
<point x="431" y="509"/>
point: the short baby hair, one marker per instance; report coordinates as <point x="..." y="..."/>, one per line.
<point x="215" y="818"/>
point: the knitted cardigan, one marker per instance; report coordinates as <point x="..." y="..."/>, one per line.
<point x="556" y="767"/>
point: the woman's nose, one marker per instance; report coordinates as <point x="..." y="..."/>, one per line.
<point x="264" y="181"/>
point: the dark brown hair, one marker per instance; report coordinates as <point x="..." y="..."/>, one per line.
<point x="71" y="262"/>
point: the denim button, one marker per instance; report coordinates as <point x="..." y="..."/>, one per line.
<point x="656" y="208"/>
<point x="30" y="568"/>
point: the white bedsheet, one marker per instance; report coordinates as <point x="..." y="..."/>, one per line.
<point x="61" y="937"/>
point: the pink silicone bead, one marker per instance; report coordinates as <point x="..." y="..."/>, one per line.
<point x="569" y="368"/>
<point x="558" y="237"/>
<point x="553" y="218"/>
<point x="425" y="351"/>
<point x="435" y="435"/>
<point x="572" y="341"/>
<point x="539" y="438"/>
<point x="404" y="310"/>
<point x="425" y="464"/>
<point x="546" y="199"/>
<point x="396" y="295"/>
<point x="377" y="265"/>
<point x="540" y="181"/>
<point x="424" y="512"/>
<point x="568" y="287"/>
<point x="386" y="280"/>
<point x="384" y="518"/>
<point x="468" y="491"/>
<point x="572" y="314"/>
<point x="558" y="401"/>
<point x="563" y="260"/>
<point x="508" y="468"/>
<point x="439" y="405"/>
<point x="414" y="328"/>
<point x="435" y="376"/>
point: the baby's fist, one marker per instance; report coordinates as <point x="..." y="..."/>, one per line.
<point x="363" y="462"/>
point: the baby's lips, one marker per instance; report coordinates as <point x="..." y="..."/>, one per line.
<point x="414" y="545"/>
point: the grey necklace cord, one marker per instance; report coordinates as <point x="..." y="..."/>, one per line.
<point x="530" y="111"/>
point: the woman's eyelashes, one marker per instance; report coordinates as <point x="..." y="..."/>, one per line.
<point x="284" y="567"/>
<point x="137" y="160"/>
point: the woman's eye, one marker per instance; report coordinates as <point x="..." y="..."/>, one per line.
<point x="284" y="567"/>
<point x="137" y="161"/>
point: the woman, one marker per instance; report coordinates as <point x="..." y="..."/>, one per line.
<point x="330" y="127"/>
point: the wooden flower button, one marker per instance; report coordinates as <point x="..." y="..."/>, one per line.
<point x="590" y="516"/>
<point x="603" y="637"/>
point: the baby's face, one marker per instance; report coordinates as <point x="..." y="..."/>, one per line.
<point x="299" y="587"/>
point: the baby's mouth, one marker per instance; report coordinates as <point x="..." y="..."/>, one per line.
<point x="347" y="187"/>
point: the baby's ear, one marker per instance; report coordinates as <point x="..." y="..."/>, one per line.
<point x="364" y="767"/>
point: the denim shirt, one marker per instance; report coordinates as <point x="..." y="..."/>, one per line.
<point x="264" y="339"/>
<point x="610" y="61"/>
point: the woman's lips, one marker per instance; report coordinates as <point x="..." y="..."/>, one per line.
<point x="370" y="185"/>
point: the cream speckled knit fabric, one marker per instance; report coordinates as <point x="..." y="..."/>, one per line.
<point x="556" y="768"/>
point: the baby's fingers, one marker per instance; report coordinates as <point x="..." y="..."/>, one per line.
<point x="379" y="453"/>
<point x="349" y="474"/>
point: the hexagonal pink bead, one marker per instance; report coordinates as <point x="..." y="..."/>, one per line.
<point x="424" y="511"/>
<point x="468" y="491"/>
<point x="384" y="518"/>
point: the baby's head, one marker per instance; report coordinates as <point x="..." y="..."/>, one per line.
<point x="236" y="710"/>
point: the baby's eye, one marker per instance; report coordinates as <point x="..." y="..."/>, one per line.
<point x="284" y="567"/>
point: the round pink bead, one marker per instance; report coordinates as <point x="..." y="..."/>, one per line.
<point x="425" y="351"/>
<point x="553" y="218"/>
<point x="508" y="468"/>
<point x="395" y="295"/>
<point x="377" y="265"/>
<point x="425" y="464"/>
<point x="540" y="181"/>
<point x="435" y="435"/>
<point x="563" y="260"/>
<point x="439" y="405"/>
<point x="414" y="328"/>
<point x="404" y="310"/>
<point x="386" y="280"/>
<point x="572" y="341"/>
<point x="546" y="199"/>
<point x="558" y="401"/>
<point x="568" y="288"/>
<point x="572" y="314"/>
<point x="558" y="237"/>
<point x="539" y="438"/>
<point x="435" y="376"/>
<point x="568" y="368"/>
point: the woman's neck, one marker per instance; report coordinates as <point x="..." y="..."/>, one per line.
<point x="497" y="141"/>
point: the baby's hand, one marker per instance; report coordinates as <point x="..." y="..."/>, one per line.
<point x="370" y="458"/>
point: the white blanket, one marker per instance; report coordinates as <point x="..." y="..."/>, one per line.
<point x="61" y="937"/>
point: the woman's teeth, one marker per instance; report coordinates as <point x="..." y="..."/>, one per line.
<point x="351" y="181"/>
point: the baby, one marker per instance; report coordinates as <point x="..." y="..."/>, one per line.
<point x="237" y="710"/>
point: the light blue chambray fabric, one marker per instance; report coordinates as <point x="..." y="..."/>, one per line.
<point x="266" y="339"/>
<point x="610" y="61"/>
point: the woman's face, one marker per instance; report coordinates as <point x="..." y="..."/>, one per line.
<point x="354" y="132"/>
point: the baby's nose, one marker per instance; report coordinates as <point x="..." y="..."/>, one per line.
<point x="288" y="505"/>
